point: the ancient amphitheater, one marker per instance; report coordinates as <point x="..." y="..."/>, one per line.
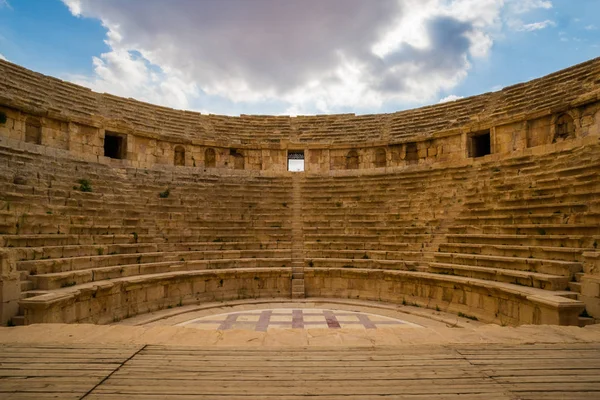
<point x="447" y="251"/>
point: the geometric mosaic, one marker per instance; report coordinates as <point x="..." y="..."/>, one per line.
<point x="262" y="320"/>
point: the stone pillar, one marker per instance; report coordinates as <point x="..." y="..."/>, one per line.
<point x="10" y="287"/>
<point x="590" y="283"/>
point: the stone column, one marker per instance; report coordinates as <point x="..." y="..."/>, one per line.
<point x="10" y="287"/>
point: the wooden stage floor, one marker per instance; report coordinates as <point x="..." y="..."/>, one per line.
<point x="474" y="371"/>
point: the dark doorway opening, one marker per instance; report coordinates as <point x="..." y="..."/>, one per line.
<point x="481" y="145"/>
<point x="114" y="146"/>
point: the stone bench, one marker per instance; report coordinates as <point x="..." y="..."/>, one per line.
<point x="530" y="229"/>
<point x="550" y="267"/>
<point x="523" y="278"/>
<point x="58" y="280"/>
<point x="364" y="254"/>
<point x="523" y="206"/>
<point x="510" y="219"/>
<point x="352" y="263"/>
<point x="488" y="301"/>
<point x="370" y="238"/>
<point x="109" y="301"/>
<point x="574" y="241"/>
<point x="523" y="251"/>
<point x="358" y="246"/>
<point x="377" y="230"/>
<point x="53" y="265"/>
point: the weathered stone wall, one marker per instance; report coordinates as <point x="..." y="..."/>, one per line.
<point x="489" y="302"/>
<point x="561" y="106"/>
<point x="111" y="301"/>
<point x="145" y="151"/>
<point x="142" y="151"/>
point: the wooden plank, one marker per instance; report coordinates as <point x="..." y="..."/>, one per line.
<point x="201" y="396"/>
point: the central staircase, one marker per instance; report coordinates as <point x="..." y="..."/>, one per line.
<point x="298" y="290"/>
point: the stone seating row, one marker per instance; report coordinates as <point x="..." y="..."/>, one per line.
<point x="543" y="267"/>
<point x="490" y="301"/>
<point x="528" y="228"/>
<point x="28" y="253"/>
<point x="111" y="300"/>
<point x="327" y="247"/>
<point x="147" y="266"/>
<point x="26" y="89"/>
<point x="65" y="239"/>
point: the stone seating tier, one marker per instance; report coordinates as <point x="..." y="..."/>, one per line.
<point x="27" y="90"/>
<point x="497" y="202"/>
<point x="499" y="302"/>
<point x="452" y="226"/>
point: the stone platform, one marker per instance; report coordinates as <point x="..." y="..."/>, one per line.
<point x="422" y="355"/>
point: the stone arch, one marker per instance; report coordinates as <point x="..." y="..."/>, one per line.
<point x="33" y="130"/>
<point x="564" y="128"/>
<point x="352" y="160"/>
<point x="179" y="158"/>
<point x="380" y="158"/>
<point x="210" y="158"/>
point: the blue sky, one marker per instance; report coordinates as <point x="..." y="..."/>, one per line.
<point x="298" y="57"/>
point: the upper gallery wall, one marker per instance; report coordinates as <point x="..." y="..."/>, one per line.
<point x="98" y="127"/>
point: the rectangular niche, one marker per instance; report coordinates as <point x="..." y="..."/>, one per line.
<point x="479" y="144"/>
<point x="412" y="153"/>
<point x="115" y="145"/>
<point x="295" y="160"/>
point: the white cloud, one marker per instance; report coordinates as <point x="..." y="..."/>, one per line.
<point x="2" y="57"/>
<point x="536" y="26"/>
<point x="450" y="98"/>
<point x="74" y="6"/>
<point x="308" y="56"/>
<point x="525" y="6"/>
<point x="123" y="73"/>
<point x="591" y="27"/>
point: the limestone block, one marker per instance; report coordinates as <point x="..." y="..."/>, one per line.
<point x="591" y="263"/>
<point x="10" y="286"/>
<point x="590" y="294"/>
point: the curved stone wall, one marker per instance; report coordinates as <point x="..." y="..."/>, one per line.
<point x="44" y="110"/>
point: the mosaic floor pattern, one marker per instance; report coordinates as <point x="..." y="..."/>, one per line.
<point x="262" y="320"/>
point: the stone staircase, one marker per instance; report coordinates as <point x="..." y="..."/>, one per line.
<point x="298" y="289"/>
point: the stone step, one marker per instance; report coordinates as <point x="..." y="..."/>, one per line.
<point x="575" y="287"/>
<point x="18" y="320"/>
<point x="523" y="278"/>
<point x="550" y="267"/>
<point x="545" y="252"/>
<point x="585" y="321"/>
<point x="26" y="285"/>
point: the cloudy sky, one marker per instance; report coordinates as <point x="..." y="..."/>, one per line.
<point x="298" y="56"/>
